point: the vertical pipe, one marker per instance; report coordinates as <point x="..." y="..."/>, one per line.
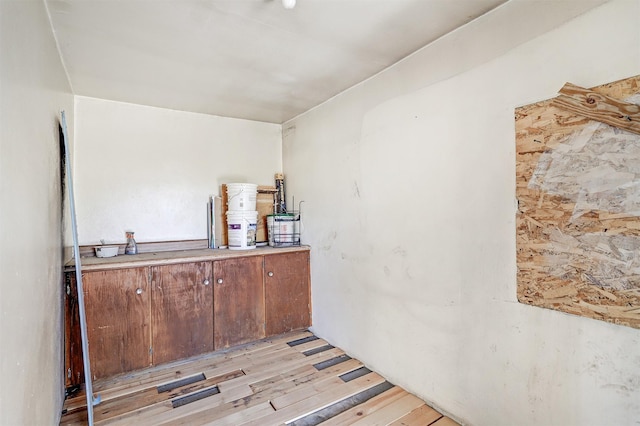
<point x="76" y="254"/>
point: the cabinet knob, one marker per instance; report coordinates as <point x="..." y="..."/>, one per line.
<point x="270" y="274"/>
<point x="219" y="280"/>
<point x="139" y="291"/>
<point x="206" y="281"/>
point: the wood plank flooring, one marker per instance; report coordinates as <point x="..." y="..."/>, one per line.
<point x="294" y="379"/>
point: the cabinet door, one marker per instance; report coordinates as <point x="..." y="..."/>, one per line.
<point x="238" y="301"/>
<point x="118" y="314"/>
<point x="74" y="369"/>
<point x="182" y="311"/>
<point x="287" y="292"/>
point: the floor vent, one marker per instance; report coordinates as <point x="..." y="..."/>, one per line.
<point x="197" y="396"/>
<point x="341" y="406"/>
<point x="351" y="375"/>
<point x="168" y="387"/>
<point x="301" y="341"/>
<point x="317" y="350"/>
<point x="331" y="362"/>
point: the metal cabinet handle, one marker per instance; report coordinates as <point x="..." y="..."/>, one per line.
<point x="206" y="281"/>
<point x="139" y="291"/>
<point x="270" y="274"/>
<point x="219" y="280"/>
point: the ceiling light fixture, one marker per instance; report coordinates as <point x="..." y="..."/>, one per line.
<point x="289" y="4"/>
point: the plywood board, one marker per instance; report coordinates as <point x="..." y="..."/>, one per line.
<point x="264" y="204"/>
<point x="578" y="218"/>
<point x="224" y="200"/>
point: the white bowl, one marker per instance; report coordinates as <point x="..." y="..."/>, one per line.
<point x="106" y="251"/>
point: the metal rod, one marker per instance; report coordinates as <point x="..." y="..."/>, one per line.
<point x="76" y="254"/>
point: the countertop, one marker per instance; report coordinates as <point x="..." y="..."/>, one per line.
<point x="91" y="263"/>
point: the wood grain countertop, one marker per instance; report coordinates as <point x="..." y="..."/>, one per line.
<point x="91" y="263"/>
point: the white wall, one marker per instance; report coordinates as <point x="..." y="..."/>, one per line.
<point x="33" y="90"/>
<point x="152" y="170"/>
<point x="409" y="188"/>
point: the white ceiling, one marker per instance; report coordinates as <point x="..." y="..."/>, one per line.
<point x="250" y="59"/>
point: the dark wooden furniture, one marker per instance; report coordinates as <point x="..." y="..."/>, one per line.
<point x="154" y="308"/>
<point x="181" y="311"/>
<point x="238" y="301"/>
<point x="287" y="296"/>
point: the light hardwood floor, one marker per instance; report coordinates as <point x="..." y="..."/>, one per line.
<point x="294" y="379"/>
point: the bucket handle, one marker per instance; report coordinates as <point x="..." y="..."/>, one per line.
<point x="234" y="195"/>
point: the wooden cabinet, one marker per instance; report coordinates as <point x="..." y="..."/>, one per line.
<point x="118" y="319"/>
<point x="147" y="315"/>
<point x="74" y="368"/>
<point x="238" y="301"/>
<point x="287" y="292"/>
<point x="181" y="311"/>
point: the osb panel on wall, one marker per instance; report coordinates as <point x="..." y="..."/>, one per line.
<point x="578" y="220"/>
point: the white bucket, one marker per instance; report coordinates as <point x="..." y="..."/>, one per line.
<point x="242" y="197"/>
<point x="241" y="229"/>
